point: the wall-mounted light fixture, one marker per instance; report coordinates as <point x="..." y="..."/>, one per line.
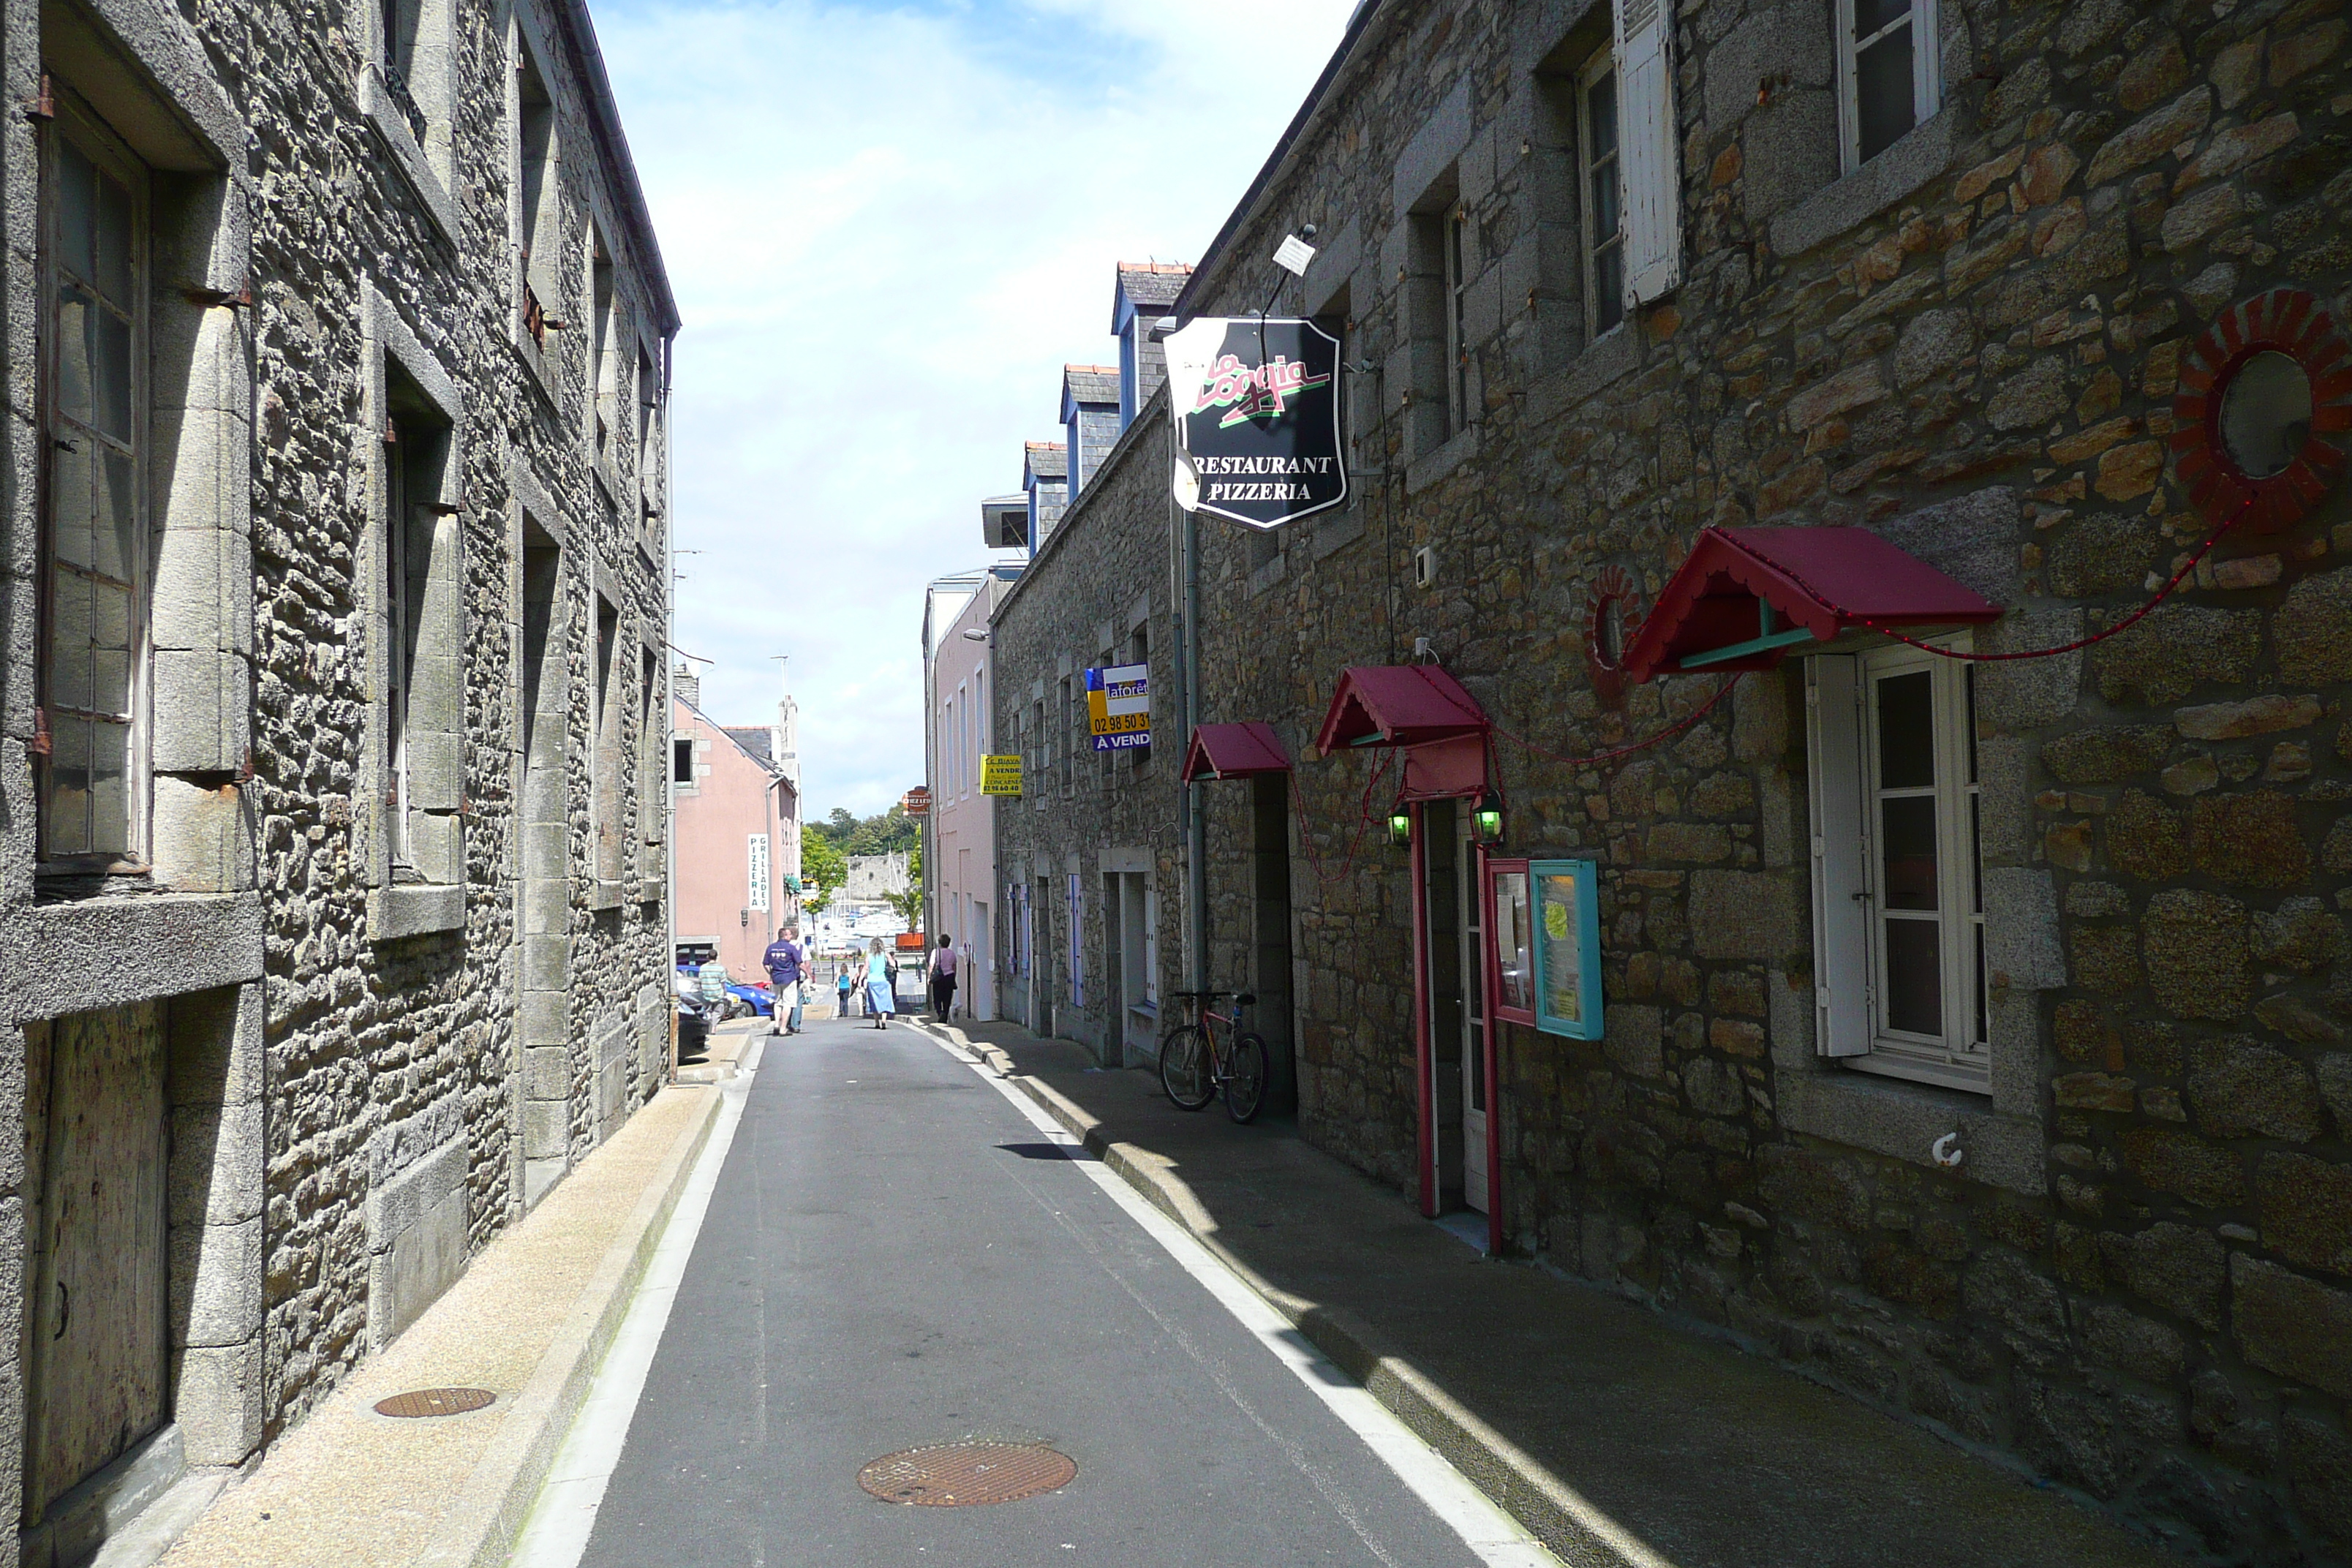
<point x="1401" y="829"/>
<point x="974" y="633"/>
<point x="1486" y="821"/>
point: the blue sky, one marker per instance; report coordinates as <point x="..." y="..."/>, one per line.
<point x="888" y="227"/>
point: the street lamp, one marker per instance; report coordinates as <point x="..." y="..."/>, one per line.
<point x="1486" y="821"/>
<point x="1401" y="829"/>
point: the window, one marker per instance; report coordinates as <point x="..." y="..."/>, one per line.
<point x="1456" y="243"/>
<point x="1066" y="735"/>
<point x="649" y="506"/>
<point x="1888" y="79"/>
<point x="649" y="750"/>
<point x="1603" y="193"/>
<point x="1899" y="890"/>
<point x="1138" y="651"/>
<point x="604" y="754"/>
<point x="603" y="365"/>
<point x="535" y="128"/>
<point x="422" y="618"/>
<point x="1648" y="158"/>
<point x="681" y="762"/>
<point x="94" y="540"/>
<point x="400" y="20"/>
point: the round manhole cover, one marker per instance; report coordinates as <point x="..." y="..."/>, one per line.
<point x="956" y="1475"/>
<point x="435" y="1402"/>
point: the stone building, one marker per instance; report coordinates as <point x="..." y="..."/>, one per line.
<point x="1090" y="895"/>
<point x="331" y="791"/>
<point x="1973" y="1034"/>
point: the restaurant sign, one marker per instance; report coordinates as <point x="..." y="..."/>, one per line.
<point x="1119" y="707"/>
<point x="1256" y="403"/>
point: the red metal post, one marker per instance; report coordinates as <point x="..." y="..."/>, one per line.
<point x="1485" y="962"/>
<point x="1423" y="1056"/>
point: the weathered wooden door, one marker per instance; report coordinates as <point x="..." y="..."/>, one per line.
<point x="95" y="1136"/>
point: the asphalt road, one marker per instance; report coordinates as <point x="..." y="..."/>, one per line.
<point x="895" y="1257"/>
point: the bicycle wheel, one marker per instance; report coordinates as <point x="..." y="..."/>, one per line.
<point x="1245" y="1079"/>
<point x="1184" y="1067"/>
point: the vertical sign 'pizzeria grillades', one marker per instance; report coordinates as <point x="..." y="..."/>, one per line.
<point x="1257" y="418"/>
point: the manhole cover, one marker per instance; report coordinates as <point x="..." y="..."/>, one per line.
<point x="435" y="1402"/>
<point x="956" y="1475"/>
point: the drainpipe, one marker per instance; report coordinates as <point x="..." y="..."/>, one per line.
<point x="1196" y="824"/>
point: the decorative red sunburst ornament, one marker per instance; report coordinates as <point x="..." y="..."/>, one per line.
<point x="2260" y="391"/>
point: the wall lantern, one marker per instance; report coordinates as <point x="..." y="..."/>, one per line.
<point x="2259" y="391"/>
<point x="1486" y="821"/>
<point x="1401" y="829"/>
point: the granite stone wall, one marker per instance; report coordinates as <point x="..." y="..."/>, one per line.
<point x="2138" y="1281"/>
<point x="357" y="255"/>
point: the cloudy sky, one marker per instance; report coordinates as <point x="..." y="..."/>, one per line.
<point x="889" y="227"/>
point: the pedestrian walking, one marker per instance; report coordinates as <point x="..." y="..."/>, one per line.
<point x="785" y="959"/>
<point x="881" y="985"/>
<point x="843" y="983"/>
<point x="943" y="981"/>
<point x="712" y="978"/>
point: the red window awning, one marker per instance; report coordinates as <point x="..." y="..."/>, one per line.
<point x="1422" y="710"/>
<point x="1747" y="595"/>
<point x="1398" y="705"/>
<point x="1234" y="752"/>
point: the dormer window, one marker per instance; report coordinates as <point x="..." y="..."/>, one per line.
<point x="1146" y="291"/>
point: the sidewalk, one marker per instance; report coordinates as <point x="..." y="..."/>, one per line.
<point x="1616" y="1438"/>
<point x="530" y="1321"/>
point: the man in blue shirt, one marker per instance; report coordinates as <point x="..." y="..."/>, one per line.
<point x="786" y="959"/>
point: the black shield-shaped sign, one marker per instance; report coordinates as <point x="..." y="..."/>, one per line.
<point x="1257" y="418"/>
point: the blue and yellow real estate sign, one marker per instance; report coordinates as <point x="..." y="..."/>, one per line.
<point x="1118" y="706"/>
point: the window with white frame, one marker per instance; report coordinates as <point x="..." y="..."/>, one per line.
<point x="1602" y="190"/>
<point x="1458" y="278"/>
<point x="94" y="540"/>
<point x="424" y="624"/>
<point x="1888" y="76"/>
<point x="1899" y="943"/>
<point x="537" y="197"/>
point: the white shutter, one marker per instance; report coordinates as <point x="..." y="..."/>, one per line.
<point x="1842" y="912"/>
<point x="1647" y="153"/>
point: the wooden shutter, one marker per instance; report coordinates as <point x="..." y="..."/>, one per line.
<point x="1650" y="168"/>
<point x="1841" y="912"/>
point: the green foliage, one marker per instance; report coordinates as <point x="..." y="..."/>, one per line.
<point x="892" y="832"/>
<point x="909" y="904"/>
<point x="821" y="861"/>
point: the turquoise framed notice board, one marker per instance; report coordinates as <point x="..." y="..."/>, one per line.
<point x="1567" y="947"/>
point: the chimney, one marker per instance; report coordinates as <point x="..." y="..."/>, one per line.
<point x="688" y="685"/>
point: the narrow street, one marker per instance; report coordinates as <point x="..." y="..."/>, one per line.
<point x="896" y="1255"/>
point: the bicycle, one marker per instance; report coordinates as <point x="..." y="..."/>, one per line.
<point x="1194" y="1063"/>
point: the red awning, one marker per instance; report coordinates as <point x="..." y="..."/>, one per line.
<point x="1398" y="705"/>
<point x="1234" y="752"/>
<point x="1423" y="711"/>
<point x="1747" y="595"/>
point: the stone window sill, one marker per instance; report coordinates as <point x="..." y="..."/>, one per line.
<point x="535" y="358"/>
<point x="376" y="103"/>
<point x="1911" y="163"/>
<point x="606" y="894"/>
<point x="1425" y="471"/>
<point x="1602" y="363"/>
<point x="646" y="890"/>
<point x="421" y="910"/>
<point x="1903" y="1121"/>
<point x="1268" y="575"/>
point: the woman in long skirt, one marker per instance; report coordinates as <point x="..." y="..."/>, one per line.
<point x="881" y="986"/>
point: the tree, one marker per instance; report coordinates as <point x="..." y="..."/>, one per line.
<point x="909" y="904"/>
<point x="821" y="861"/>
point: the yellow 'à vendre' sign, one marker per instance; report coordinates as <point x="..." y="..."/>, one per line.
<point x="1000" y="775"/>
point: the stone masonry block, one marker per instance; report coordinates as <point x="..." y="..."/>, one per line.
<point x="219" y="1401"/>
<point x="216" y="1275"/>
<point x="1742" y="914"/>
<point x="2291" y="1325"/>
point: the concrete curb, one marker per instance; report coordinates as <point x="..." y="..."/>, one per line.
<point x="1577" y="1532"/>
<point x="487" y="1516"/>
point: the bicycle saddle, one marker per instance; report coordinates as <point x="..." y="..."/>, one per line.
<point x="1247" y="999"/>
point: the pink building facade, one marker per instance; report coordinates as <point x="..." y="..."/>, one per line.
<point x="738" y="838"/>
<point x="959" y="842"/>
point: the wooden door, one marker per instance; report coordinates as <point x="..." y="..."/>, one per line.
<point x="95" y="1132"/>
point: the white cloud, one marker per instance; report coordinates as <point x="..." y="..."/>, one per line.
<point x="887" y="229"/>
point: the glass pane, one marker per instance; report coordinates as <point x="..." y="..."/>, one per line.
<point x="110" y="682"/>
<point x="113" y="274"/>
<point x="73" y="353"/>
<point x="110" y="793"/>
<point x="76" y="211"/>
<point x="69" y="640"/>
<point x="1870" y="16"/>
<point x="1882" y="90"/>
<point x="68" y="803"/>
<point x="1608" y="287"/>
<point x="69" y="478"/>
<point x="1915" y="984"/>
<point x="1983" y="1033"/>
<point x="110" y="372"/>
<point x="1601" y="116"/>
<point x="1474" y="1067"/>
<point x="1906" y="847"/>
<point x="1906" y="731"/>
<point x="1514" y="953"/>
<point x="114" y="527"/>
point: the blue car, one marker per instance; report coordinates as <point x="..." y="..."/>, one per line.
<point x="761" y="1001"/>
